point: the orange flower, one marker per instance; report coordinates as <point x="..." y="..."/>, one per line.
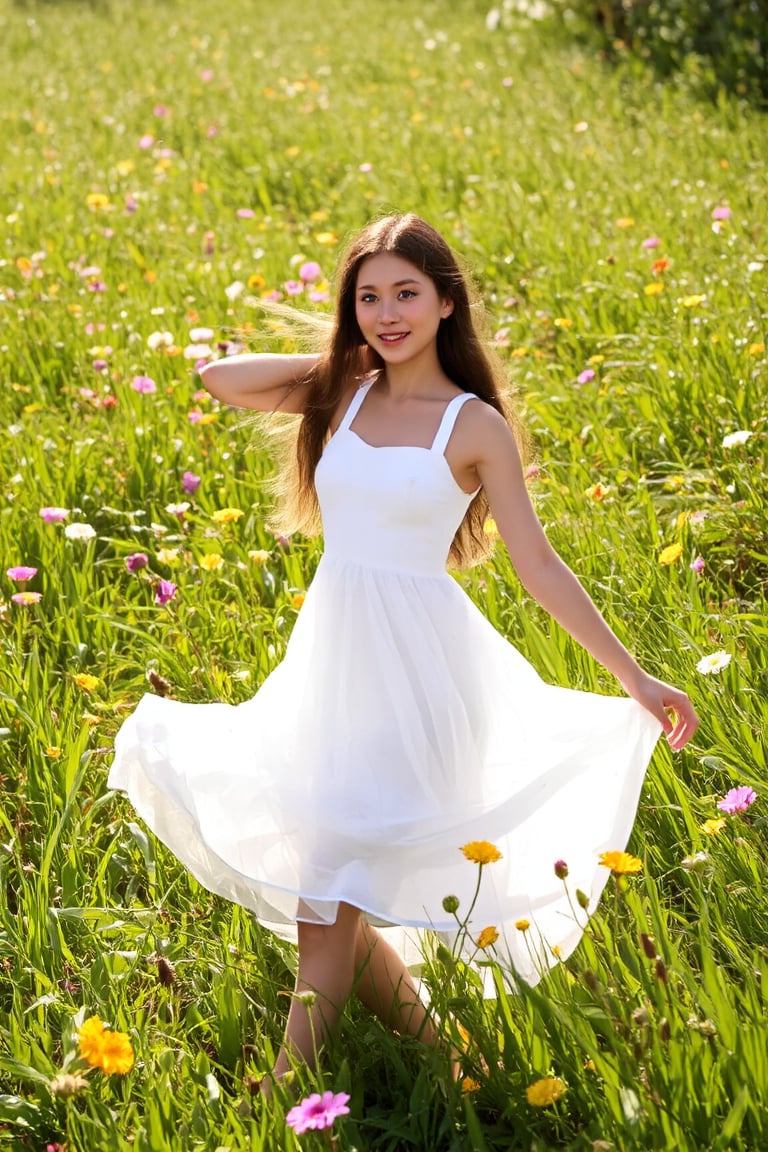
<point x="620" y="862"/>
<point x="660" y="265"/>
<point x="544" y="1092"/>
<point x="102" y="1048"/>
<point x="481" y="852"/>
<point x="487" y="937"/>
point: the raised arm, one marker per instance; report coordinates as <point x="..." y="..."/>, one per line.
<point x="262" y="380"/>
<point x="550" y="581"/>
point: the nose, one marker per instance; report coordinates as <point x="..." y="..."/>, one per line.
<point x="388" y="310"/>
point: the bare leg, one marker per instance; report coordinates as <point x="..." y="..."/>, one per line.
<point x="387" y="989"/>
<point x="326" y="972"/>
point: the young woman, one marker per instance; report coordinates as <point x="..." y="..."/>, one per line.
<point x="400" y="724"/>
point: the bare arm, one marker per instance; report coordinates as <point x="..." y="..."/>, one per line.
<point x="551" y="582"/>
<point x="261" y="380"/>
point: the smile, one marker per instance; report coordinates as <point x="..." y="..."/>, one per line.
<point x="393" y="337"/>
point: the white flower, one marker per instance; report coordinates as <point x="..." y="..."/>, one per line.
<point x="197" y="351"/>
<point x="201" y="335"/>
<point x="234" y="290"/>
<point x="79" y="532"/>
<point x="734" y="438"/>
<point x="159" y="340"/>
<point x="693" y="863"/>
<point x="178" y="509"/>
<point x="755" y="266"/>
<point x="715" y="662"/>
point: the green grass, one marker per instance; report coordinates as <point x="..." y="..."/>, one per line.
<point x="527" y="153"/>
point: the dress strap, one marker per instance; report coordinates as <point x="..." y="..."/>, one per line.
<point x="354" y="406"/>
<point x="443" y="433"/>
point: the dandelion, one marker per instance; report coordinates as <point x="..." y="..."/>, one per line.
<point x="715" y="662"/>
<point x="487" y="937"/>
<point x="620" y="863"/>
<point x="78" y="531"/>
<point x="87" y="682"/>
<point x="165" y="591"/>
<point x="21" y="573"/>
<point x="522" y="925"/>
<point x="226" y="515"/>
<point x="136" y="561"/>
<point x="481" y="852"/>
<point x="54" y="515"/>
<point x="737" y="800"/>
<point x="543" y="1093"/>
<point x="212" y="561"/>
<point x="734" y="438"/>
<point x="26" y="597"/>
<point x="714" y="826"/>
<point x="317" y="1111"/>
<point x="145" y="385"/>
<point x="670" y="554"/>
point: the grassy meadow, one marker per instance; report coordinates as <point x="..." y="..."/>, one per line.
<point x="164" y="166"/>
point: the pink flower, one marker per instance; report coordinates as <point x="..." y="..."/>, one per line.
<point x="586" y="376"/>
<point x="21" y="573"/>
<point x="190" y="483"/>
<point x="318" y="297"/>
<point x="144" y="384"/>
<point x="561" y="869"/>
<point x="130" y="204"/>
<point x="26" y="597"/>
<point x="310" y="272"/>
<point x="161" y="110"/>
<point x="245" y="213"/>
<point x="165" y="591"/>
<point x="737" y="800"/>
<point x="136" y="561"/>
<point x="54" y="515"/>
<point x="721" y="213"/>
<point x="651" y="242"/>
<point x="366" y="168"/>
<point x="100" y="365"/>
<point x="146" y="141"/>
<point x="697" y="565"/>
<point x="206" y="75"/>
<point x="317" y="1111"/>
<point x="294" y="287"/>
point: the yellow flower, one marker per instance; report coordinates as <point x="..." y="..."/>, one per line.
<point x="168" y="555"/>
<point x="596" y="359"/>
<point x="563" y="322"/>
<point x="714" y="825"/>
<point x="692" y="301"/>
<point x="211" y="561"/>
<point x="258" y="555"/>
<point x="226" y="515"/>
<point x="487" y="937"/>
<point x="53" y="753"/>
<point x="102" y="1048"/>
<point x="326" y="238"/>
<point x="670" y="554"/>
<point x="522" y="925"/>
<point x="544" y="1092"/>
<point x="469" y="1085"/>
<point x="625" y="222"/>
<point x="518" y="353"/>
<point x="256" y="280"/>
<point x="598" y="492"/>
<point x="87" y="682"/>
<point x="757" y="348"/>
<point x="620" y="862"/>
<point x="209" y="418"/>
<point x="490" y="527"/>
<point x="481" y="852"/>
<point x="654" y="289"/>
<point x="297" y="599"/>
<point x="97" y="200"/>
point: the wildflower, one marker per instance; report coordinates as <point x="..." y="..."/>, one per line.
<point x="21" y="573"/>
<point x="317" y="1111"/>
<point x="721" y="212"/>
<point x="211" y="561"/>
<point x="293" y="287"/>
<point x="190" y="482"/>
<point x="168" y="555"/>
<point x="102" y="1048"/>
<point x="256" y="281"/>
<point x="620" y="862"/>
<point x="178" y="509"/>
<point x="136" y="561"/>
<point x="487" y="937"/>
<point x="561" y="869"/>
<point x="297" y="599"/>
<point x="651" y="242"/>
<point x="692" y="301"/>
<point x="714" y="825"/>
<point x="79" y="532"/>
<point x="96" y="201"/>
<point x="235" y="289"/>
<point x="490" y="527"/>
<point x="563" y="322"/>
<point x="310" y="271"/>
<point x="26" y="598"/>
<point x="734" y="438"/>
<point x="757" y="348"/>
<point x="695" y="862"/>
<point x="245" y="213"/>
<point x="654" y="288"/>
<point x="87" y="682"/>
<point x="258" y="555"/>
<point x="660" y="265"/>
<point x="226" y="515"/>
<point x="144" y="385"/>
<point x="469" y="1085"/>
<point x="326" y="238"/>
<point x="198" y="352"/>
<point x="715" y="662"/>
<point x="625" y="222"/>
<point x="54" y="515"/>
<point x="450" y="904"/>
<point x="598" y="492"/>
<point x="53" y="752"/>
<point x="165" y="591"/>
<point x="522" y="925"/>
<point x="481" y="852"/>
<point x="737" y="800"/>
<point x="586" y="376"/>
<point x="544" y="1092"/>
<point x="670" y="554"/>
<point x="201" y="335"/>
<point x="697" y="565"/>
<point x="66" y="1085"/>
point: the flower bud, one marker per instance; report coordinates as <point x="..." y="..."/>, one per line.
<point x="450" y="904"/>
<point x="582" y="898"/>
<point x="661" y="970"/>
<point x="561" y="869"/>
<point x="66" y="1085"/>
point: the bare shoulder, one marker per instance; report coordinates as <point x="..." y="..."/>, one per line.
<point x="482" y="430"/>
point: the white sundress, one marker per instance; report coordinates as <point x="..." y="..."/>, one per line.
<point x="399" y="726"/>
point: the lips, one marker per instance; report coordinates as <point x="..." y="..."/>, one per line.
<point x="392" y="337"/>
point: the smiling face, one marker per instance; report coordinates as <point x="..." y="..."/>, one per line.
<point x="398" y="309"/>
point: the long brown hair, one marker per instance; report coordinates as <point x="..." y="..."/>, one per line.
<point x="346" y="357"/>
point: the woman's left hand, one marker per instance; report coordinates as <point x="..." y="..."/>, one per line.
<point x="660" y="699"/>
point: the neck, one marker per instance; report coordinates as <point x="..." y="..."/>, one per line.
<point x="402" y="381"/>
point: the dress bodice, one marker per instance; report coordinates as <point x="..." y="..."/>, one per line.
<point x="395" y="507"/>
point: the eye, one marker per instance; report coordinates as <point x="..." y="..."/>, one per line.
<point x="367" y="298"/>
<point x="407" y="293"/>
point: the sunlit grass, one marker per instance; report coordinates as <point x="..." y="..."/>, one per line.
<point x="163" y="165"/>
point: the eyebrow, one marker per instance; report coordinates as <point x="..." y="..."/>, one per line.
<point x="397" y="284"/>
